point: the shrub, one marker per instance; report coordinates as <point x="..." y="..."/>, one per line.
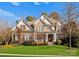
<point x="58" y="42"/>
<point x="27" y="43"/>
<point x="41" y="43"/>
<point x="65" y="41"/>
<point x="8" y="46"/>
<point x="75" y="43"/>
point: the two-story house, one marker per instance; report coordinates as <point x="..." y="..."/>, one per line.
<point x="41" y="30"/>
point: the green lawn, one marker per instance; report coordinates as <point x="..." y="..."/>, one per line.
<point x="41" y="50"/>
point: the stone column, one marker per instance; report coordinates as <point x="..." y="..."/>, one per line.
<point x="46" y="37"/>
<point x="54" y="37"/>
<point x="12" y="38"/>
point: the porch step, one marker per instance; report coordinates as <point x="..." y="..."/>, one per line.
<point x="50" y="43"/>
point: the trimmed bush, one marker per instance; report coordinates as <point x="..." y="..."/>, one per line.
<point x="58" y="42"/>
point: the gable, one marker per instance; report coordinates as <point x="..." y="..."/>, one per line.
<point x="54" y="21"/>
<point x="39" y="23"/>
<point x="43" y="19"/>
<point x="23" y="26"/>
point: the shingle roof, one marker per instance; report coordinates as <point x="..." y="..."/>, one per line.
<point x="44" y="20"/>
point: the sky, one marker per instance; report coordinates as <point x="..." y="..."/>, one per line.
<point x="12" y="11"/>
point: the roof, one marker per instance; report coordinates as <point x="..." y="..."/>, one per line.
<point x="53" y="21"/>
<point x="44" y="20"/>
<point x="27" y="26"/>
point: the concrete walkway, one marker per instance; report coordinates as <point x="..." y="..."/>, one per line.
<point x="24" y="55"/>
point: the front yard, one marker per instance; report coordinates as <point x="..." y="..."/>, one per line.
<point x="56" y="50"/>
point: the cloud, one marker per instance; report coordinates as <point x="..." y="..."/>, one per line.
<point x="15" y="3"/>
<point x="6" y="14"/>
<point x="39" y="3"/>
<point x="36" y="3"/>
<point x="46" y="2"/>
<point x="9" y="17"/>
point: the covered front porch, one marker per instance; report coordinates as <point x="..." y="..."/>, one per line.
<point x="44" y="37"/>
<point x="34" y="37"/>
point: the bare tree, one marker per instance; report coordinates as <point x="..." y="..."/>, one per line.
<point x="5" y="32"/>
<point x="70" y="16"/>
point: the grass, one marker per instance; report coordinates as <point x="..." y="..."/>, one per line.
<point x="57" y="50"/>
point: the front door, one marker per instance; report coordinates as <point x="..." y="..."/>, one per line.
<point x="50" y="37"/>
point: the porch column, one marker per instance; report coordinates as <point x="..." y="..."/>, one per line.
<point x="12" y="38"/>
<point x="54" y="37"/>
<point x="46" y="37"/>
<point x="25" y="37"/>
<point x="34" y="37"/>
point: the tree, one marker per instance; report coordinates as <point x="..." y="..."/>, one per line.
<point x="71" y="14"/>
<point x="54" y="15"/>
<point x="20" y="34"/>
<point x="17" y="21"/>
<point x="54" y="18"/>
<point x="5" y="32"/>
<point x="73" y="26"/>
<point x="30" y="18"/>
<point x="44" y="13"/>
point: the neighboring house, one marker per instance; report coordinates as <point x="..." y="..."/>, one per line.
<point x="41" y="30"/>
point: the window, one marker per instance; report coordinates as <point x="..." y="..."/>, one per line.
<point x="37" y="28"/>
<point x="46" y="28"/>
<point x="22" y="27"/>
<point x="52" y="28"/>
<point x="26" y="37"/>
<point x="40" y="28"/>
